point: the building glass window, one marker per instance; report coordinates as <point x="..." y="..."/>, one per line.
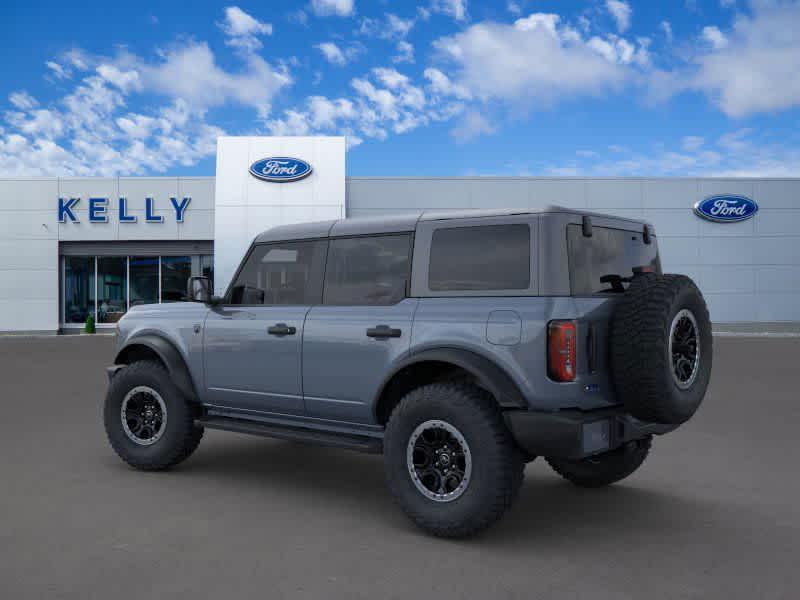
<point x="78" y="288"/>
<point x="175" y="273"/>
<point x="112" y="288"/>
<point x="143" y="280"/>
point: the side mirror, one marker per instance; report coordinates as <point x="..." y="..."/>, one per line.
<point x="199" y="290"/>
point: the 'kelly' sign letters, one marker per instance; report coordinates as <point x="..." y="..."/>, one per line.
<point x="98" y="209"/>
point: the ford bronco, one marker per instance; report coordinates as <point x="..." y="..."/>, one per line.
<point x="458" y="345"/>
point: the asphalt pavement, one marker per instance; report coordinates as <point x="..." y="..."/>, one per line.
<point x="713" y="513"/>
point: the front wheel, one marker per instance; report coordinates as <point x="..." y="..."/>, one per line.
<point x="149" y="424"/>
<point x="450" y="461"/>
<point x="603" y="469"/>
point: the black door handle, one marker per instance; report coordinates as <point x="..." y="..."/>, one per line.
<point x="383" y="331"/>
<point x="281" y="329"/>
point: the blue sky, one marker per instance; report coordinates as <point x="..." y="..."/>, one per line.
<point x="436" y="87"/>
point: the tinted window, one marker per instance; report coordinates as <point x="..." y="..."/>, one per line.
<point x="282" y="273"/>
<point x="367" y="270"/>
<point x="600" y="263"/>
<point x="488" y="257"/>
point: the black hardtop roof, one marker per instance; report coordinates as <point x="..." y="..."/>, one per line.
<point x="403" y="222"/>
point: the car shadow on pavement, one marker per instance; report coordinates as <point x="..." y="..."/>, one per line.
<point x="547" y="510"/>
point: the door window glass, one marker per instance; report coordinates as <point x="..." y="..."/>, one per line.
<point x="112" y="288"/>
<point x="282" y="273"/>
<point x="144" y="280"/>
<point x="368" y="270"/>
<point x="486" y="257"/>
<point x="78" y="288"/>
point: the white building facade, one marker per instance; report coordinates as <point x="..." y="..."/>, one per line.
<point x="71" y="248"/>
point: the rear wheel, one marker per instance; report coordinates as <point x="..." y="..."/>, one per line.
<point x="450" y="461"/>
<point x="603" y="469"/>
<point x="148" y="422"/>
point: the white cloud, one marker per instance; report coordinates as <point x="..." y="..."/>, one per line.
<point x="243" y="29"/>
<point x="22" y="100"/>
<point x="339" y="8"/>
<point x="758" y="70"/>
<point x="398" y="27"/>
<point x="692" y="143"/>
<point x="727" y="3"/>
<point x="441" y="84"/>
<point x="471" y="125"/>
<point x="715" y="37"/>
<point x="405" y="52"/>
<point x="91" y="131"/>
<point x="57" y="70"/>
<point x="735" y="154"/>
<point x="621" y="11"/>
<point x="537" y="60"/>
<point x="666" y="27"/>
<point x="336" y="55"/>
<point x="514" y="8"/>
<point x="453" y="8"/>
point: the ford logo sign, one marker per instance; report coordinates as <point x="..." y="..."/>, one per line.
<point x="280" y="169"/>
<point x="726" y="209"/>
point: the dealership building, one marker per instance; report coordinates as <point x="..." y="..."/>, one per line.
<point x="71" y="248"/>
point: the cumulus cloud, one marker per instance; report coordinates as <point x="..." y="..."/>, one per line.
<point x="621" y="11"/>
<point x="757" y="66"/>
<point x="405" y="52"/>
<point x="336" y="55"/>
<point x="339" y="8"/>
<point x="535" y="60"/>
<point x="91" y="131"/>
<point x="715" y="37"/>
<point x="243" y="29"/>
<point x="453" y="8"/>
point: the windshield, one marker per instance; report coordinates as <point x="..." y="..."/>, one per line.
<point x="605" y="262"/>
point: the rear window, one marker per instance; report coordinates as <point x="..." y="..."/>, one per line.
<point x="602" y="263"/>
<point x="367" y="270"/>
<point x="486" y="257"/>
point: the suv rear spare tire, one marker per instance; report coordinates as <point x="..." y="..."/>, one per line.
<point x="661" y="348"/>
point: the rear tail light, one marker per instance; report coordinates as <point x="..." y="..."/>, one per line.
<point x="561" y="336"/>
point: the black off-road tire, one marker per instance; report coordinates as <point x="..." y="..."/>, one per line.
<point x="641" y="364"/>
<point x="603" y="469"/>
<point x="497" y="463"/>
<point x="180" y="436"/>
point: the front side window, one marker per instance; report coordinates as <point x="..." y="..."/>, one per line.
<point x="484" y="257"/>
<point x="607" y="260"/>
<point x="370" y="270"/>
<point x="281" y="273"/>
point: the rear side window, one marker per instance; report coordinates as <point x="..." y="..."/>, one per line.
<point x="486" y="257"/>
<point x="367" y="270"/>
<point x="601" y="264"/>
<point x="282" y="273"/>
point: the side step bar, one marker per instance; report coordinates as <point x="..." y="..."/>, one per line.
<point x="298" y="434"/>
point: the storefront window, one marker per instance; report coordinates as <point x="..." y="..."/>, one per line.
<point x="112" y="288"/>
<point x="144" y="280"/>
<point x="78" y="288"/>
<point x="175" y="273"/>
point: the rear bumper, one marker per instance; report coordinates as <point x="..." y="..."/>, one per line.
<point x="575" y="434"/>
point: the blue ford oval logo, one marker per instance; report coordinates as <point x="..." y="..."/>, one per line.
<point x="726" y="209"/>
<point x="280" y="169"/>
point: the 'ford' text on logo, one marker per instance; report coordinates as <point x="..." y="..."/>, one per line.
<point x="280" y="169"/>
<point x="726" y="209"/>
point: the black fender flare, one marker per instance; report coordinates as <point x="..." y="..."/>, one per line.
<point x="169" y="355"/>
<point x="487" y="373"/>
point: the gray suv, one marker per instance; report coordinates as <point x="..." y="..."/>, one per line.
<point x="458" y="345"/>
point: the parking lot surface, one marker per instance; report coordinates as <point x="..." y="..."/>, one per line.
<point x="713" y="513"/>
